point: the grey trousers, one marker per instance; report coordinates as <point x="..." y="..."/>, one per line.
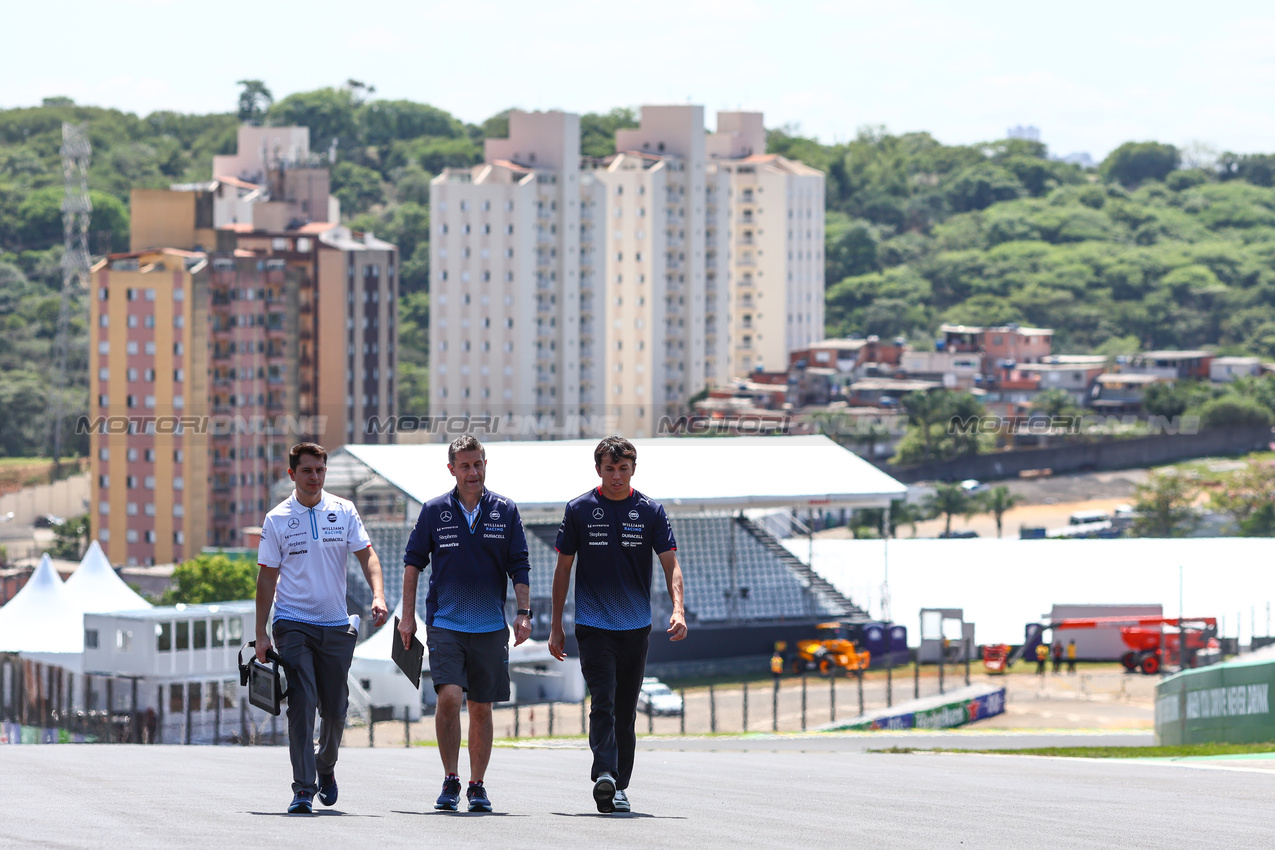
<point x="318" y="662"/>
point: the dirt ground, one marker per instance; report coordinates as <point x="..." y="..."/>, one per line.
<point x="1047" y="502"/>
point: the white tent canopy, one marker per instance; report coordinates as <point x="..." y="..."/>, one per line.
<point x="1004" y="584"/>
<point x="97" y="589"/>
<point x="687" y="473"/>
<point x="43" y="617"/>
<point x="374" y="670"/>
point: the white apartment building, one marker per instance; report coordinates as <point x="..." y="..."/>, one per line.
<point x="506" y="294"/>
<point x="601" y="295"/>
<point x="776" y="209"/>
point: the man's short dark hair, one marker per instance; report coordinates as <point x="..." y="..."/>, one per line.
<point x="616" y="448"/>
<point x="467" y="443"/>
<point x="294" y="454"/>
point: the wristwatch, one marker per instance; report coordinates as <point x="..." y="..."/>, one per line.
<point x="524" y="612"/>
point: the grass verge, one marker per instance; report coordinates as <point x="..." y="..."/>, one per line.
<point x="1181" y="751"/>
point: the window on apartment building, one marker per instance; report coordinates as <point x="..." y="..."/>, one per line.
<point x="103" y="507"/>
<point x="132" y="455"/>
<point x="147" y="348"/>
<point x="464" y="206"/>
<point x="102" y="321"/>
<point x="130" y="347"/>
<point x="179" y="483"/>
<point x="509" y="229"/>
<point x="149" y="509"/>
<point x="179" y="510"/>
<point x="103" y="294"/>
<point x="131" y="535"/>
<point x="104" y="481"/>
<point x="103" y="347"/>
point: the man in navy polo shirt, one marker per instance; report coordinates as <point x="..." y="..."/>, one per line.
<point x="476" y="541"/>
<point x="612" y="530"/>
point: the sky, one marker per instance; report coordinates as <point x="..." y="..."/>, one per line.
<point x="1090" y="75"/>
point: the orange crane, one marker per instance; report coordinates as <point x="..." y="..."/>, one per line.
<point x="1154" y="642"/>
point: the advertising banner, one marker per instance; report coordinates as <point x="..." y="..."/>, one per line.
<point x="941" y="712"/>
<point x="1228" y="703"/>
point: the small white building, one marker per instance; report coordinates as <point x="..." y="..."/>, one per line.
<point x="184" y="659"/>
<point x="1223" y="370"/>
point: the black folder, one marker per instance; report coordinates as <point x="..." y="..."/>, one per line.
<point x="410" y="661"/>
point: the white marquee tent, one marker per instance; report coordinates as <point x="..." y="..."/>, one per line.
<point x="45" y="620"/>
<point x="43" y="617"/>
<point x="536" y="674"/>
<point x="1004" y="584"/>
<point x="96" y="587"/>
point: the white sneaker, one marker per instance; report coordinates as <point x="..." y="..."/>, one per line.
<point x="621" y="801"/>
<point x="604" y="793"/>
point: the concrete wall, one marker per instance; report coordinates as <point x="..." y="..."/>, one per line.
<point x="65" y="498"/>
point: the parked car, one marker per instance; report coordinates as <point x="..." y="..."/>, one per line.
<point x="657" y="698"/>
<point x="972" y="486"/>
<point x="48" y="521"/>
<point x="959" y="534"/>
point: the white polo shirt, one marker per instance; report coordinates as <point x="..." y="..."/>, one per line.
<point x="308" y="547"/>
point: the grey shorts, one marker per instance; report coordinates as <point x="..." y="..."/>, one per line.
<point x="477" y="661"/>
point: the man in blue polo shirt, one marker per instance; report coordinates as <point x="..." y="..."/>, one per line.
<point x="612" y="530"/>
<point x="476" y="542"/>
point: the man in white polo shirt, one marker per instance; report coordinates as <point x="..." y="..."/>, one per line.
<point x="304" y="542"/>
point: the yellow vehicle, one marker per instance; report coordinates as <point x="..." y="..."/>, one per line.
<point x="831" y="649"/>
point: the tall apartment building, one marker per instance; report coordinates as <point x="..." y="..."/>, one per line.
<point x="601" y="292"/>
<point x="506" y="276"/>
<point x="777" y="209"/>
<point x="149" y="328"/>
<point x="212" y="362"/>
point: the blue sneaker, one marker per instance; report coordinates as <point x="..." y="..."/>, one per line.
<point x="621" y="801"/>
<point x="604" y="793"/>
<point x="449" y="800"/>
<point x="327" y="789"/>
<point x="477" y="795"/>
<point x="302" y="803"/>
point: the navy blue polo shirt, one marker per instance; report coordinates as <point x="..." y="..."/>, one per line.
<point x="613" y="542"/>
<point x="469" y="580"/>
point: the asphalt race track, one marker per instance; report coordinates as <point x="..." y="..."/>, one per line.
<point x="757" y="791"/>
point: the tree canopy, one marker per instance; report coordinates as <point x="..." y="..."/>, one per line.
<point x="1155" y="248"/>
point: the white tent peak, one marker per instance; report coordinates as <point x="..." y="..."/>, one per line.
<point x="97" y="589"/>
<point x="43" y="616"/>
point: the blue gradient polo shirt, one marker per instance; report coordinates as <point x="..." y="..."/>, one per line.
<point x="472" y="563"/>
<point x="613" y="542"/>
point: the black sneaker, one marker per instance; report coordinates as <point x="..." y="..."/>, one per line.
<point x="621" y="801"/>
<point x="302" y="803"/>
<point x="477" y="795"/>
<point x="449" y="800"/>
<point x="327" y="789"/>
<point x="604" y="793"/>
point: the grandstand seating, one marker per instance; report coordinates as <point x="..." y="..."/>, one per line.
<point x="733" y="571"/>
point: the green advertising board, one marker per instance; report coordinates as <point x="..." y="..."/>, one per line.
<point x="1228" y="703"/>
